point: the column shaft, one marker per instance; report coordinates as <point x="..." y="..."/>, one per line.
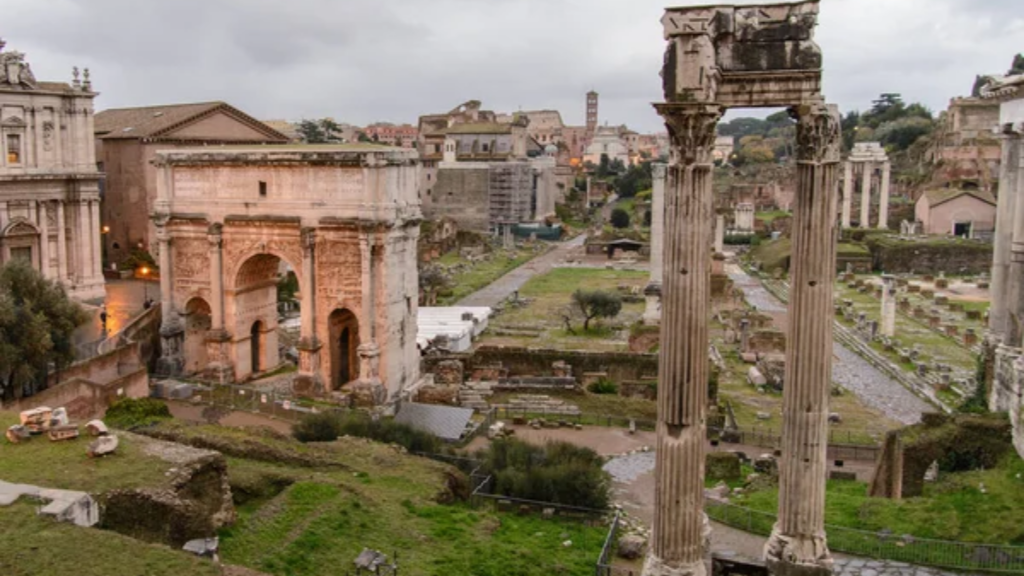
<point x="166" y="300"/>
<point x="678" y="540"/>
<point x="44" y="241"/>
<point x="216" y="279"/>
<point x="847" y="192"/>
<point x="883" y="196"/>
<point x="1015" y="279"/>
<point x="84" y="263"/>
<point x="997" y="314"/>
<point x="867" y="174"/>
<point x="309" y="344"/>
<point x="658" y="171"/>
<point x="62" y="245"/>
<point x="94" y="235"/>
<point x="799" y="535"/>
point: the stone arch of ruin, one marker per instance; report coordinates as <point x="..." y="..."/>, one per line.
<point x="344" y="219"/>
<point x="721" y="57"/>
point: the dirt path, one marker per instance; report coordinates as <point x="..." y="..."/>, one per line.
<point x="497" y="291"/>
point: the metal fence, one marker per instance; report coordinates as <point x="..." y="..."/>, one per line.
<point x="995" y="558"/>
<point x="605" y="562"/>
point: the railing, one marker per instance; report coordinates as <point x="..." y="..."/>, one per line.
<point x="995" y="558"/>
<point x="604" y="565"/>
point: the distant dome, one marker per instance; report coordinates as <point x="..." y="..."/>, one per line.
<point x="551" y="149"/>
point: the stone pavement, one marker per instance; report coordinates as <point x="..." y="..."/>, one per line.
<point x="852" y="566"/>
<point x="848" y="370"/>
<point x="499" y="290"/>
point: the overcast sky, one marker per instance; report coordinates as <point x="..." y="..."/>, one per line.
<point x="361" y="61"/>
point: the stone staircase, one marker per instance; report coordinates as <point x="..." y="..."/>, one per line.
<point x="474" y="395"/>
<point x="540" y="404"/>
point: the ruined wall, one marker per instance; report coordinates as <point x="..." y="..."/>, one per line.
<point x="461" y="193"/>
<point x="620" y="366"/>
<point x="1007" y="391"/>
<point x="934" y="255"/>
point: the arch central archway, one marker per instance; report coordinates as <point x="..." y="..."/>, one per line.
<point x="344" y="345"/>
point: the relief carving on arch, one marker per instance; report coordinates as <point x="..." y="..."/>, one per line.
<point x="237" y="250"/>
<point x="191" y="259"/>
<point x="339" y="271"/>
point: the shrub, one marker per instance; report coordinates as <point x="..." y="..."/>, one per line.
<point x="558" y="472"/>
<point x="129" y="413"/>
<point x="603" y="386"/>
<point x="328" y="426"/>
<point x="620" y="218"/>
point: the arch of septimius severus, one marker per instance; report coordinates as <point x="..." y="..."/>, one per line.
<point x="721" y="57"/>
<point x="345" y="219"/>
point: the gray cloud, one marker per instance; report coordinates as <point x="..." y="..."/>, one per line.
<point x="366" y="60"/>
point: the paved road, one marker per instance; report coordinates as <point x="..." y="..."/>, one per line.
<point x="848" y="370"/>
<point x="497" y="291"/>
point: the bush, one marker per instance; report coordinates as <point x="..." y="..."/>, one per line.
<point x="558" y="472"/>
<point x="603" y="386"/>
<point x="738" y="239"/>
<point x="620" y="218"/>
<point x="129" y="413"/>
<point x="328" y="426"/>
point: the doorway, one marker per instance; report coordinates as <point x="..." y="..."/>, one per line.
<point x="254" y="345"/>
<point x="344" y="344"/>
<point x="962" y="229"/>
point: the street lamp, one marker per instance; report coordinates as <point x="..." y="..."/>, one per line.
<point x="144" y="271"/>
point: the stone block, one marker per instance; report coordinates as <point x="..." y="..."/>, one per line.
<point x="928" y="293"/>
<point x="722" y="466"/>
<point x="755" y="377"/>
<point x="448" y="373"/>
<point x="748" y="357"/>
<point x="913" y="288"/>
<point x="941" y="299"/>
<point x="942" y="283"/>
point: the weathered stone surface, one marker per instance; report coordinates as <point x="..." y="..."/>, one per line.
<point x="631" y="547"/>
<point x="102" y="446"/>
<point x="96" y="428"/>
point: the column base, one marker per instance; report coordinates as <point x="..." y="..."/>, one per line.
<point x="309" y="382"/>
<point x="654" y="566"/>
<point x="652" y="311"/>
<point x="794" y="556"/>
<point x="172" y="358"/>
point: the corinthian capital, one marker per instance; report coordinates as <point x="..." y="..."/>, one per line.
<point x="691" y="131"/>
<point x="818" y="132"/>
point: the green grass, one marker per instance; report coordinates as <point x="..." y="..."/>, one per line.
<point x="953" y="508"/>
<point x="548" y="296"/>
<point x="31" y="545"/>
<point x="482" y="272"/>
<point x="769" y="217"/>
<point x="772" y="255"/>
<point x="65" y="465"/>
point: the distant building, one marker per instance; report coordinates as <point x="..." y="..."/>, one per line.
<point x="607" y="141"/>
<point x="127" y="140"/>
<point x="285" y="127"/>
<point x="403" y="135"/>
<point x="49" y="184"/>
<point x="592" y="119"/>
<point x="966" y="148"/>
<point x="957" y="212"/>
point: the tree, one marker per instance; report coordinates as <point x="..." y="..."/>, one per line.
<point x="591" y="304"/>
<point x="323" y="131"/>
<point x="902" y="133"/>
<point x="636" y="178"/>
<point x="604" y="168"/>
<point x="620" y="218"/>
<point x="362" y="137"/>
<point x="36" y="324"/>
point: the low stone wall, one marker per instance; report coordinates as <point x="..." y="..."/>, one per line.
<point x="1006" y="390"/>
<point x="87" y="388"/>
<point x="933" y="255"/>
<point x="501" y="363"/>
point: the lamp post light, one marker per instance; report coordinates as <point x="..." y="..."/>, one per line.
<point x="144" y="271"/>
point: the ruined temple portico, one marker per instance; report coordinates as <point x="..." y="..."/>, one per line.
<point x="343" y="219"/>
<point x="721" y="57"/>
<point x="865" y="160"/>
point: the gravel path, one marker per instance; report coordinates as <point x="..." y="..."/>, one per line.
<point x="497" y="291"/>
<point x="848" y="370"/>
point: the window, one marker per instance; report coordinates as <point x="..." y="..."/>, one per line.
<point x="14" y="149"/>
<point x="485" y="148"/>
<point x="22" y="253"/>
<point x="263" y="189"/>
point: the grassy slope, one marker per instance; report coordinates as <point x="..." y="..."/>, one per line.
<point x="551" y="292"/>
<point x="954" y="508"/>
<point x="371" y="495"/>
<point x="31" y="545"/>
<point x="65" y="465"/>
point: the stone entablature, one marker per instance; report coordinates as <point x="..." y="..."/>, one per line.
<point x="344" y="219"/>
<point x="865" y="159"/>
<point x="49" y="184"/>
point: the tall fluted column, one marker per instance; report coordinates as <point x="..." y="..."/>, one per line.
<point x="652" y="293"/>
<point x="218" y="339"/>
<point x="680" y="531"/>
<point x="94" y="233"/>
<point x="888" y="305"/>
<point x="62" y="245"/>
<point x="798" y="539"/>
<point x="82" y="237"/>
<point x="172" y="334"/>
<point x="1015" y="279"/>
<point x="867" y="174"/>
<point x="883" y="196"/>
<point x="44" y="240"/>
<point x="1007" y="207"/>
<point x="369" y="389"/>
<point x="309" y="344"/>
<point x="847" y="192"/>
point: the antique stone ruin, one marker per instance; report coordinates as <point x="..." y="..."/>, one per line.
<point x="721" y="57"/>
<point x="1006" y="315"/>
<point x="652" y="293"/>
<point x="865" y="159"/>
<point x="344" y="220"/>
